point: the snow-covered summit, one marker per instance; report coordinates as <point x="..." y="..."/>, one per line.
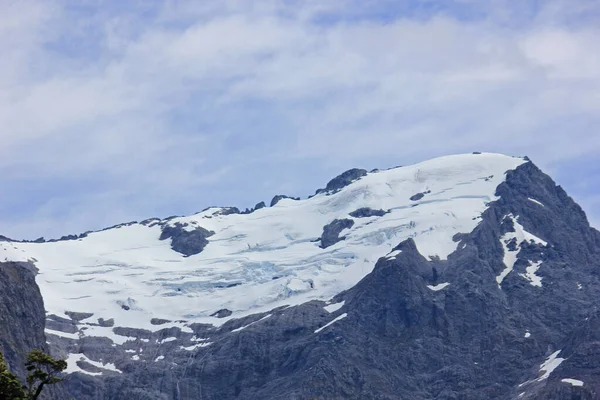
<point x="268" y="258"/>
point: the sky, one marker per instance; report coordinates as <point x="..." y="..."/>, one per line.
<point x="112" y="111"/>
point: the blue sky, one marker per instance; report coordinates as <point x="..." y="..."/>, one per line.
<point x="113" y="111"/>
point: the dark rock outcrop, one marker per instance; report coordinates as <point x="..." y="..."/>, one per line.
<point x="256" y="207"/>
<point x="366" y="212"/>
<point x="22" y="316"/>
<point x="186" y="242"/>
<point x="22" y="320"/>
<point x="280" y="197"/>
<point x="222" y="313"/>
<point x="227" y="211"/>
<point x="419" y="196"/>
<point x="331" y="232"/>
<point x="78" y="316"/>
<point x="343" y="180"/>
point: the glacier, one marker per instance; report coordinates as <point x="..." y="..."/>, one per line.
<point x="269" y="258"/>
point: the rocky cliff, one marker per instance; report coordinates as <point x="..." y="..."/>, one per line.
<point x="22" y="320"/>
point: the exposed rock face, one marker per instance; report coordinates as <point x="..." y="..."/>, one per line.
<point x="343" y="180"/>
<point x="184" y="241"/>
<point x="22" y="320"/>
<point x="258" y="206"/>
<point x="21" y="314"/>
<point x="418" y="196"/>
<point x="222" y="313"/>
<point x="228" y="211"/>
<point x="366" y="212"/>
<point x="280" y="197"/>
<point x="331" y="232"/>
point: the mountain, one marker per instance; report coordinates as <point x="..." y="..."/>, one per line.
<point x="463" y="277"/>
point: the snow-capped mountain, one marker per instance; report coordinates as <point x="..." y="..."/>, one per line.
<point x="265" y="259"/>
<point x="463" y="277"/>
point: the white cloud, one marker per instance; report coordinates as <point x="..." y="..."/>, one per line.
<point x="174" y="108"/>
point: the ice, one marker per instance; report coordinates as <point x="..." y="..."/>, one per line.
<point x="573" y="382"/>
<point x="344" y="315"/>
<point x="550" y="365"/>
<point x="439" y="286"/>
<point x="334" y="307"/>
<point x="298" y="285"/>
<point x="256" y="262"/>
<point x="530" y="275"/>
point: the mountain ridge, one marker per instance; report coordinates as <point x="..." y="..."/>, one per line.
<point x="335" y="184"/>
<point x="484" y="287"/>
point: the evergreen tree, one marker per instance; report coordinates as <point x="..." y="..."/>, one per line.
<point x="43" y="370"/>
<point x="10" y="387"/>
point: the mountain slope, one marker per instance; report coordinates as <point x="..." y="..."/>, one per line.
<point x="462" y="277"/>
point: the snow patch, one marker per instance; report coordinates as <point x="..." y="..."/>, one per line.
<point x="299" y="285"/>
<point x="527" y="334"/>
<point x="393" y="254"/>
<point x="344" y="315"/>
<point x="510" y="256"/>
<point x="159" y="358"/>
<point x="535" y="201"/>
<point x="550" y="365"/>
<point x="437" y="287"/>
<point x="62" y="334"/>
<point x="334" y="307"/>
<point x="72" y="366"/>
<point x="196" y="346"/>
<point x="574" y="382"/>
<point x="530" y="275"/>
<point x="251" y="323"/>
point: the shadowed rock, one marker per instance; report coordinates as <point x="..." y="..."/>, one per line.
<point x="280" y="197"/>
<point x="366" y="212"/>
<point x="78" y="316"/>
<point x="186" y="242"/>
<point x="343" y="180"/>
<point x="222" y="313"/>
<point x="331" y="232"/>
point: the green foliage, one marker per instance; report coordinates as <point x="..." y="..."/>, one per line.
<point x="43" y="370"/>
<point x="10" y="387"/>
